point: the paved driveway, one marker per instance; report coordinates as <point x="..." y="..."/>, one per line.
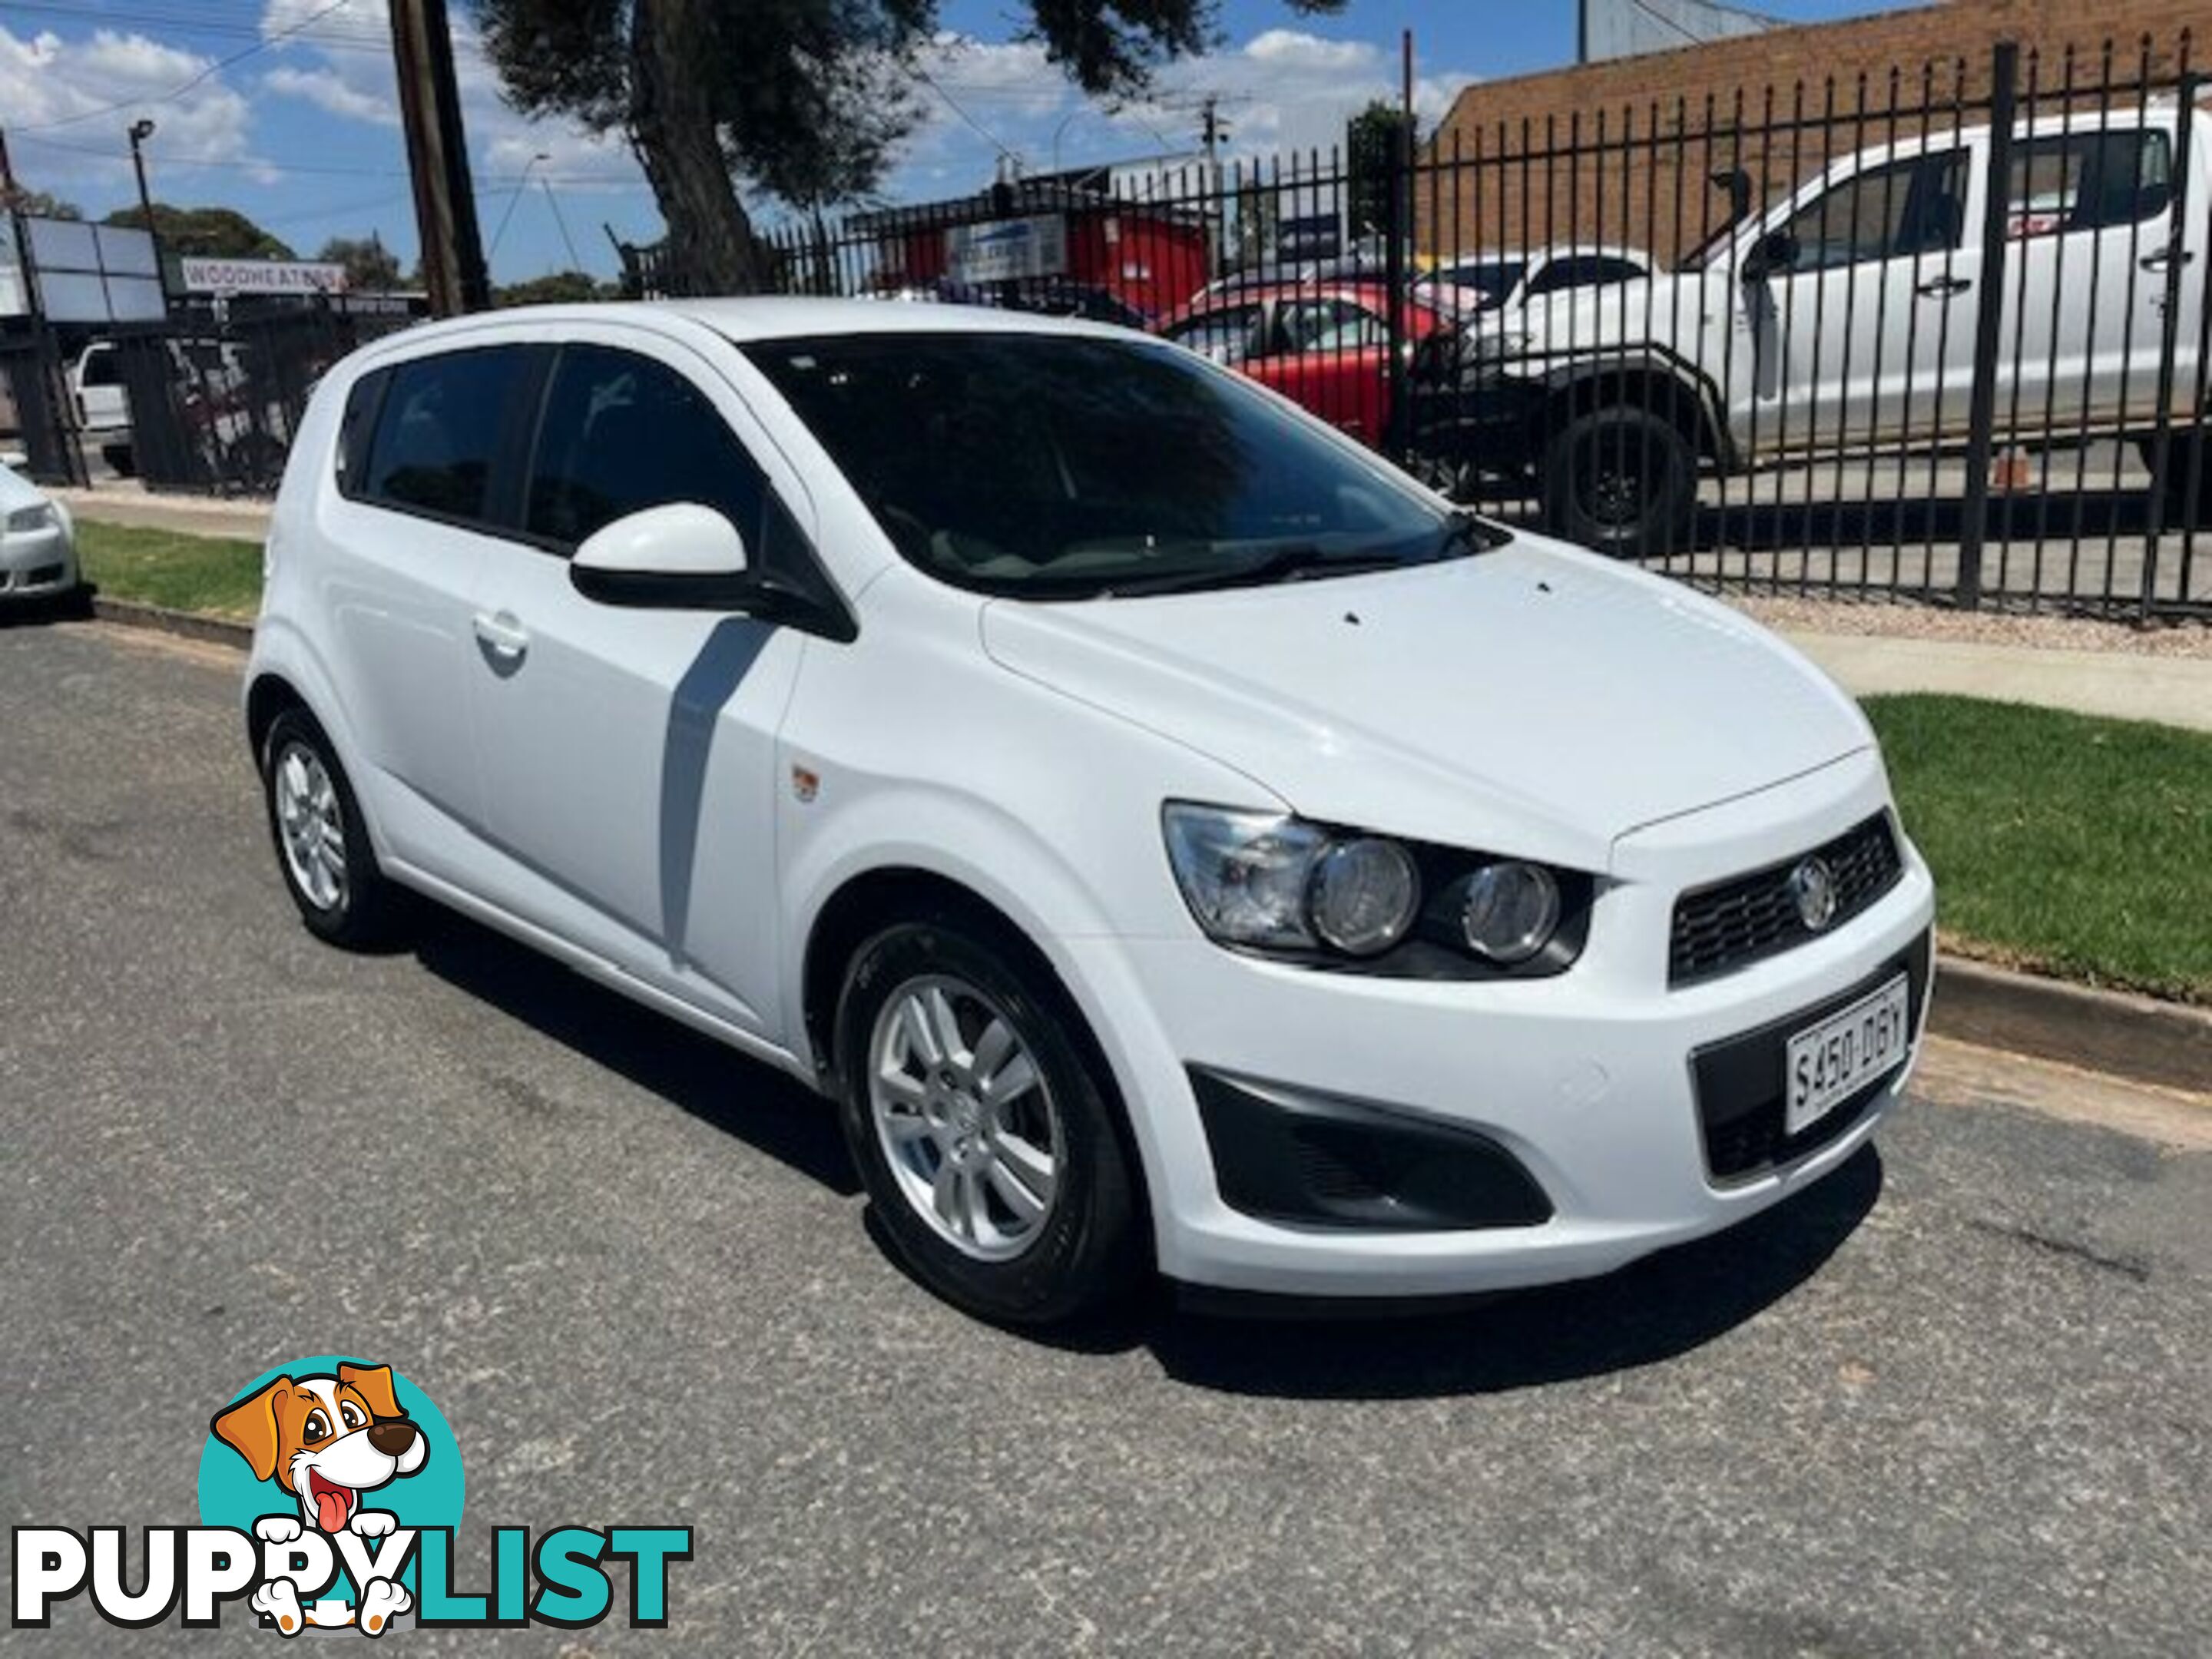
<point x="1956" y="1400"/>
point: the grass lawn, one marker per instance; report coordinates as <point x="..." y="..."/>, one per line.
<point x="160" y="567"/>
<point x="2061" y="843"/>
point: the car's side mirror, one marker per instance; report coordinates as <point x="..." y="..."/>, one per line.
<point x="681" y="557"/>
<point x="1775" y="251"/>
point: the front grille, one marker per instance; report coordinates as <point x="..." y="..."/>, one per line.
<point x="1719" y="929"/>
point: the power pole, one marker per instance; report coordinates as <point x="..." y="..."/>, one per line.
<point x="438" y="157"/>
<point x="1211" y="133"/>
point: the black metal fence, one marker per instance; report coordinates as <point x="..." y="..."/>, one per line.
<point x="1941" y="333"/>
<point x="207" y="404"/>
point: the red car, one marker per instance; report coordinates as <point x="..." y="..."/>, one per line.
<point x="1325" y="345"/>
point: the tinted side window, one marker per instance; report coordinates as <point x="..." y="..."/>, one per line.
<point x="2087" y="181"/>
<point x="1905" y="208"/>
<point x="1227" y="337"/>
<point x="1329" y="325"/>
<point x="354" y="428"/>
<point x="440" y="428"/>
<point x="622" y="432"/>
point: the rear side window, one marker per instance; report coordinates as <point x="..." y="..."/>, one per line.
<point x="439" y="431"/>
<point x="2088" y="181"/>
<point x="356" y="428"/>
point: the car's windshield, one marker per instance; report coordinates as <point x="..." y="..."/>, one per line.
<point x="1491" y="280"/>
<point x="1050" y="466"/>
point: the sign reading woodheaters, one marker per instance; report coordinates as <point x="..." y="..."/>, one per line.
<point x="262" y="277"/>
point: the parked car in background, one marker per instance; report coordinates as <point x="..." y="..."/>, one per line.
<point x="1843" y="319"/>
<point x="1037" y="296"/>
<point x="103" y="407"/>
<point x="1175" y="840"/>
<point x="1498" y="285"/>
<point x="38" y="542"/>
<point x="1326" y="346"/>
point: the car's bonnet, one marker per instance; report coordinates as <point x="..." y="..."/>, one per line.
<point x="1530" y="699"/>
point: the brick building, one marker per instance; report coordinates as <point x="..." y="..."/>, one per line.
<point x="1621" y="151"/>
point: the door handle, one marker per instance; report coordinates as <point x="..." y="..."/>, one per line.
<point x="2159" y="260"/>
<point x="1942" y="287"/>
<point x="502" y="636"/>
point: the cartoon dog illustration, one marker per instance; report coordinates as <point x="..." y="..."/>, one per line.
<point x="326" y="1440"/>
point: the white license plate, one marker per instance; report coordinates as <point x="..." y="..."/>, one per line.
<point x="1829" y="1062"/>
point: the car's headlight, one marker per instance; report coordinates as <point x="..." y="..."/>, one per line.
<point x="1266" y="881"/>
<point x="1245" y="874"/>
<point x="1511" y="910"/>
<point x="1492" y="345"/>
<point x="41" y="517"/>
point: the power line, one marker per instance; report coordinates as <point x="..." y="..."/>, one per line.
<point x="492" y="180"/>
<point x="575" y="260"/>
<point x="185" y="86"/>
<point x="954" y="104"/>
<point x="338" y="36"/>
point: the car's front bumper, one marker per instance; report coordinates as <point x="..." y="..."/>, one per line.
<point x="1587" y="1082"/>
<point x="36" y="562"/>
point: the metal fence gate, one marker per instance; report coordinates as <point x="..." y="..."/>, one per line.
<point x="35" y="420"/>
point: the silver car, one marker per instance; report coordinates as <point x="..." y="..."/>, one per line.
<point x="38" y="542"/>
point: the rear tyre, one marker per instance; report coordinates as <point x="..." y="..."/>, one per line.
<point x="322" y="842"/>
<point x="1621" y="481"/>
<point x="991" y="1150"/>
<point x="2186" y="453"/>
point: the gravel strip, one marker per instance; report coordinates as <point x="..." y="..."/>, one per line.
<point x="1905" y="621"/>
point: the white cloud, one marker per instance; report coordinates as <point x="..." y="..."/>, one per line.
<point x="68" y="103"/>
<point x="330" y="91"/>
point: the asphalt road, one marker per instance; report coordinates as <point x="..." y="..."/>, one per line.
<point x="1958" y="1400"/>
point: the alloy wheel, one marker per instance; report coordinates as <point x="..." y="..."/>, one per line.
<point x="311" y="826"/>
<point x="965" y="1120"/>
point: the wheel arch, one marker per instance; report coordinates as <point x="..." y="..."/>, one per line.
<point x="1675" y="392"/>
<point x="868" y="900"/>
<point x="285" y="673"/>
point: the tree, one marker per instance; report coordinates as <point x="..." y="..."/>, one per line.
<point x="45" y="204"/>
<point x="369" y="265"/>
<point x="557" y="288"/>
<point x="802" y="99"/>
<point x="208" y="232"/>
<point x="1371" y="156"/>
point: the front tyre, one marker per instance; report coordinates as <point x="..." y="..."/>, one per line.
<point x="322" y="843"/>
<point x="989" y="1148"/>
<point x="1621" y="481"/>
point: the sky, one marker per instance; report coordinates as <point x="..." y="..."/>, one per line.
<point x="285" y="109"/>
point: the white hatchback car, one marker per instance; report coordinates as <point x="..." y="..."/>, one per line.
<point x="1176" y="840"/>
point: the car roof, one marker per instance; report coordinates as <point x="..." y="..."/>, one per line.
<point x="767" y="318"/>
<point x="1549" y="251"/>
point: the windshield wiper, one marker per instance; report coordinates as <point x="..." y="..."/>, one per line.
<point x="1467" y="533"/>
<point x="1295" y="561"/>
